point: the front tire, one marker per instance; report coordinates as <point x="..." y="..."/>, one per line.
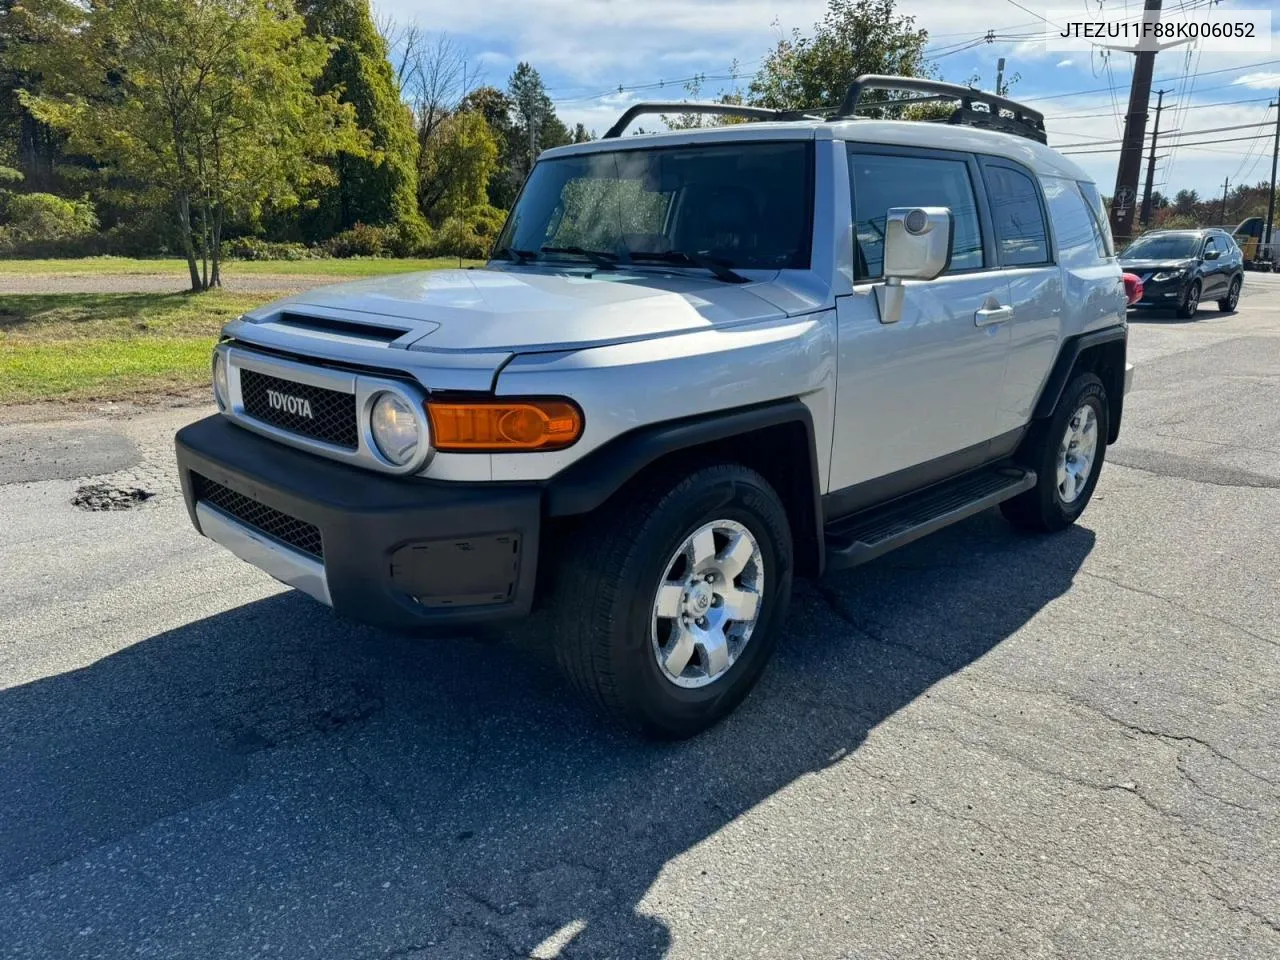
<point x="1191" y="302"/>
<point x="1066" y="452"/>
<point x="1233" y="296"/>
<point x="670" y="608"/>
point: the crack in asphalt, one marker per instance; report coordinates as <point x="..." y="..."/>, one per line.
<point x="1182" y="606"/>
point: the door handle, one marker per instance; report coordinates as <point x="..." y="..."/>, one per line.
<point x="989" y="315"/>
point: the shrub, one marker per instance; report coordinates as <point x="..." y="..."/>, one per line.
<point x="469" y="235"/>
<point x="254" y="248"/>
<point x="42" y="218"/>
<point x="363" y="240"/>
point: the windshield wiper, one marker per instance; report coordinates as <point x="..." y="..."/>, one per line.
<point x="601" y="258"/>
<point x="516" y="256"/>
<point x="720" y="268"/>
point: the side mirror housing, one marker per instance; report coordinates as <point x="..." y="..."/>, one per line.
<point x="917" y="242"/>
<point x="1212" y="254"/>
<point x="917" y="246"/>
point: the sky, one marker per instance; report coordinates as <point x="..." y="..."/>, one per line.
<point x="598" y="56"/>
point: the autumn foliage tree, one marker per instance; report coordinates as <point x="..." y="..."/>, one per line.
<point x="853" y="37"/>
<point x="212" y="102"/>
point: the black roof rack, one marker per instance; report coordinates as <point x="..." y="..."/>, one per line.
<point x="1007" y="116"/>
<point x="719" y="109"/>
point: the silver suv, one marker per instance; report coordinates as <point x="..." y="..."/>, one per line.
<point x="698" y="364"/>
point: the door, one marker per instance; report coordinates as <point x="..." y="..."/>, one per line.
<point x="925" y="387"/>
<point x="1215" y="266"/>
<point x="1020" y="224"/>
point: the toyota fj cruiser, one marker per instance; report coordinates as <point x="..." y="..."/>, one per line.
<point x="697" y="364"/>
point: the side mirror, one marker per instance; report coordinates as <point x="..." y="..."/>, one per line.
<point x="917" y="246"/>
<point x="1212" y="254"/>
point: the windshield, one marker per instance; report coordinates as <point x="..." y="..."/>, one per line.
<point x="744" y="205"/>
<point x="1170" y="246"/>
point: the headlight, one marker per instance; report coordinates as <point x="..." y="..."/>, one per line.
<point x="395" y="428"/>
<point x="1164" y="275"/>
<point x="221" y="391"/>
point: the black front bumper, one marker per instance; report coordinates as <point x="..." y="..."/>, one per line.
<point x="401" y="553"/>
<point x="1166" y="295"/>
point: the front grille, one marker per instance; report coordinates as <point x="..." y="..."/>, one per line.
<point x="288" y="530"/>
<point x="332" y="413"/>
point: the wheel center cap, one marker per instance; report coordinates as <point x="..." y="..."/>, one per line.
<point x="700" y="598"/>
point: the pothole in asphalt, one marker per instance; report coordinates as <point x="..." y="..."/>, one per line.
<point x="101" y="496"/>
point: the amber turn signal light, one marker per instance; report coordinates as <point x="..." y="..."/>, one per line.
<point x="502" y="425"/>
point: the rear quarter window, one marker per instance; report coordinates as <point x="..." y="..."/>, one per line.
<point x="1099" y="210"/>
<point x="1081" y="241"/>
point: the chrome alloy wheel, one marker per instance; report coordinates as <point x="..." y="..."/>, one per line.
<point x="1076" y="453"/>
<point x="707" y="603"/>
<point x="1193" y="300"/>
<point x="1233" y="294"/>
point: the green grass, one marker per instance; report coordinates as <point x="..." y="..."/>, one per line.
<point x="125" y="266"/>
<point x="109" y="346"/>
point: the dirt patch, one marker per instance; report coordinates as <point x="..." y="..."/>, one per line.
<point x="118" y="408"/>
<point x="270" y="285"/>
<point x="97" y="497"/>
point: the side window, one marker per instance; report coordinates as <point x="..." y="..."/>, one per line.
<point x="879" y="182"/>
<point x="1019" y="221"/>
<point x="1080" y="241"/>
<point x="1210" y="246"/>
<point x="1099" y="210"/>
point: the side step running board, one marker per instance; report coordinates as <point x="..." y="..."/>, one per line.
<point x="866" y="535"/>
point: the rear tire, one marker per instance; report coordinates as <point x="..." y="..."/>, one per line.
<point x="1191" y="302"/>
<point x="660" y="570"/>
<point x="1066" y="452"/>
<point x="1228" y="305"/>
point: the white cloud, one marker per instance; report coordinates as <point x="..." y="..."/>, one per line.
<point x="1065" y="63"/>
<point x="1258" y="81"/>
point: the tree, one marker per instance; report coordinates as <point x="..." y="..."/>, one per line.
<point x="497" y="109"/>
<point x="455" y="166"/>
<point x="213" y="102"/>
<point x="435" y="77"/>
<point x="377" y="187"/>
<point x="1185" y="201"/>
<point x="537" y="127"/>
<point x="691" y="121"/>
<point x="853" y="37"/>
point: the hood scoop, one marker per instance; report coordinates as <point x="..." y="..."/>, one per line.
<point x="350" y="328"/>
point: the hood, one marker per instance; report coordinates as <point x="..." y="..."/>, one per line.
<point x="533" y="308"/>
<point x="1144" y="266"/>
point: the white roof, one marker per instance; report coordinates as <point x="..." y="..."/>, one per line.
<point x="906" y="133"/>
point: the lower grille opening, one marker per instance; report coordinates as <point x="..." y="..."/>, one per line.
<point x="292" y="532"/>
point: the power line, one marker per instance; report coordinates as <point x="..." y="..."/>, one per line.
<point x="1194" y="106"/>
<point x="1161" y="80"/>
<point x="1076" y="153"/>
<point x="1180" y="133"/>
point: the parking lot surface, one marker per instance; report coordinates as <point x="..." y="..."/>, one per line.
<point x="985" y="745"/>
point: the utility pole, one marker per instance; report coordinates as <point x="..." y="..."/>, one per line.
<point x="1000" y="77"/>
<point x="1223" y="219"/>
<point x="1267" y="236"/>
<point x="1151" y="163"/>
<point x="1135" y="130"/>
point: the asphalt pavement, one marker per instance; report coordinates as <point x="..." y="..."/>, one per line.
<point x="987" y="745"/>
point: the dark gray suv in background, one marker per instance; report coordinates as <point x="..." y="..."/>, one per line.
<point x="1181" y="268"/>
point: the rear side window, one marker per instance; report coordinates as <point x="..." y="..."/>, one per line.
<point x="879" y="182"/>
<point x="1021" y="233"/>
<point x="1099" y="210"/>
<point x="1080" y="240"/>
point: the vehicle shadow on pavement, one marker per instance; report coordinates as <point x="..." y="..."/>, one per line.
<point x="272" y="777"/>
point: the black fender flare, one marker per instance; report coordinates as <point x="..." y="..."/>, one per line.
<point x="586" y="484"/>
<point x="1069" y="353"/>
